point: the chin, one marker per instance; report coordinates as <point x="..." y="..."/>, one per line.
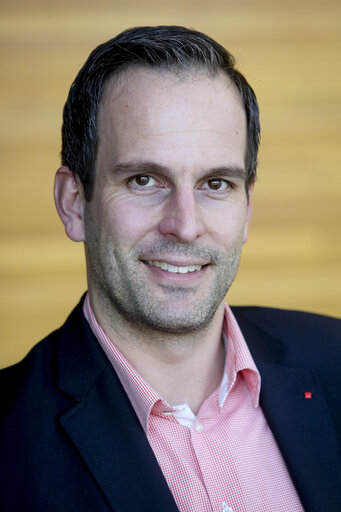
<point x="178" y="325"/>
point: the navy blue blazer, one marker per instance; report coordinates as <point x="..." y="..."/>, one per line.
<point x="70" y="440"/>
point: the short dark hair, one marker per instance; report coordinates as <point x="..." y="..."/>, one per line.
<point x="168" y="48"/>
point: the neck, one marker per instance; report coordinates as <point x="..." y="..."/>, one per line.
<point x="182" y="368"/>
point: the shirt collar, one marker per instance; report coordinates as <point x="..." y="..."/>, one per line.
<point x="145" y="399"/>
<point x="238" y="359"/>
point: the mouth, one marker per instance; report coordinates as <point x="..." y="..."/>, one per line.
<point x="174" y="269"/>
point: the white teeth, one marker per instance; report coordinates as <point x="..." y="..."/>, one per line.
<point x="173" y="268"/>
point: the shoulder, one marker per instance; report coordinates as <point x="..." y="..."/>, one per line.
<point x="302" y="335"/>
<point x="285" y="320"/>
<point x="31" y="383"/>
<point x="35" y="377"/>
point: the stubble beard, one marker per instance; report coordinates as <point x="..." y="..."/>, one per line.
<point x="127" y="296"/>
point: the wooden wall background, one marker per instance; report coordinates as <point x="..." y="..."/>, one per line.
<point x="290" y="52"/>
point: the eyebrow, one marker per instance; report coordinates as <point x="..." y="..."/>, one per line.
<point x="145" y="167"/>
<point x="139" y="167"/>
<point x="232" y="171"/>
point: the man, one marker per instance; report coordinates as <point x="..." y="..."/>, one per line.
<point x="154" y="395"/>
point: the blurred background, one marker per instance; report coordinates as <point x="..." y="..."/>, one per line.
<point x="290" y="53"/>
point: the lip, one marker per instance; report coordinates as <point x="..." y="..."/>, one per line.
<point x="164" y="276"/>
<point x="176" y="262"/>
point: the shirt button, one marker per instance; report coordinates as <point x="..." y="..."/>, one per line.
<point x="198" y="427"/>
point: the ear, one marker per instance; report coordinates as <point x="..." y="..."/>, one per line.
<point x="70" y="201"/>
<point x="248" y="213"/>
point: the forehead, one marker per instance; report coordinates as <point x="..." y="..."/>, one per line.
<point x="158" y="111"/>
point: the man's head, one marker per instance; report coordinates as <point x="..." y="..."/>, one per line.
<point x="164" y="48"/>
<point x="174" y="149"/>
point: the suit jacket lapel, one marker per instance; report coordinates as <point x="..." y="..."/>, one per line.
<point x="301" y="426"/>
<point x="104" y="427"/>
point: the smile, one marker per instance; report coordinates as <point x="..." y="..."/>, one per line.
<point x="167" y="267"/>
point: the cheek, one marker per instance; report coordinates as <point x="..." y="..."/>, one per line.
<point x="223" y="215"/>
<point x="227" y="227"/>
<point x="128" y="222"/>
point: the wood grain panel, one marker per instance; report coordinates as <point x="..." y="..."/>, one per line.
<point x="289" y="51"/>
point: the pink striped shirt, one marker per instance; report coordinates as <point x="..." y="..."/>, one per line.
<point x="223" y="460"/>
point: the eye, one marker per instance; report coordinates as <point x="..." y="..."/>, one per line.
<point x="143" y="180"/>
<point x="216" y="184"/>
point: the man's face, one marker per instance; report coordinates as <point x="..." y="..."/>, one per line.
<point x="169" y="213"/>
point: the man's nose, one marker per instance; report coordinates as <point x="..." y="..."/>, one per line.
<point x="181" y="217"/>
